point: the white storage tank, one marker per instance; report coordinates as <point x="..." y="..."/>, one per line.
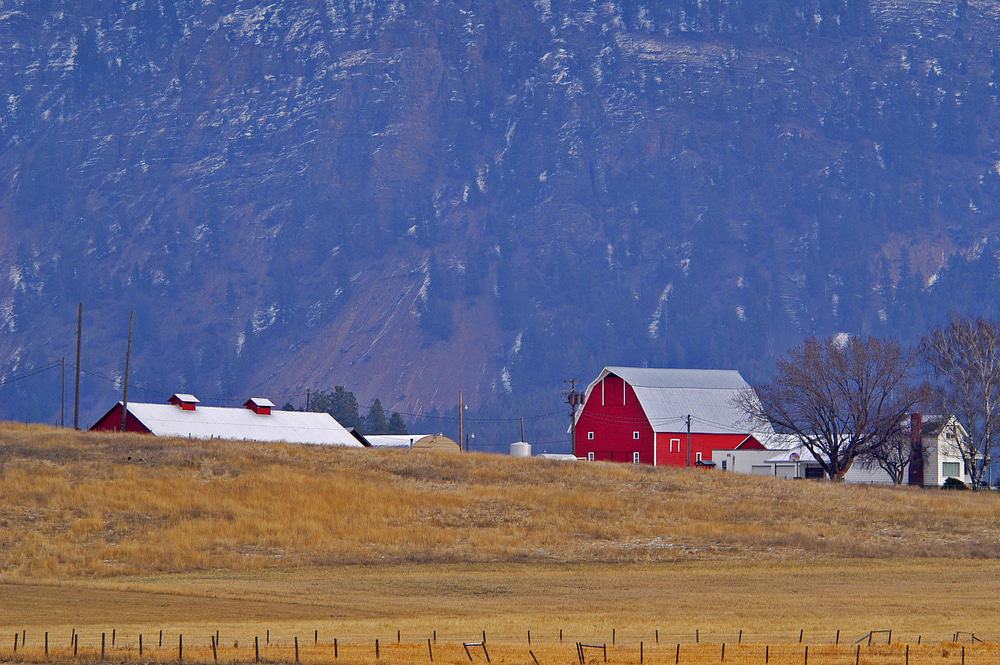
<point x="520" y="449"/>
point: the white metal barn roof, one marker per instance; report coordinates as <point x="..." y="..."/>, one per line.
<point x="393" y="440"/>
<point x="208" y="422"/>
<point x="708" y="395"/>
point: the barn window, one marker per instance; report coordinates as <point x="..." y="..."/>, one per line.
<point x="635" y="456"/>
<point x="675" y="445"/>
<point x="590" y="457"/>
<point x="590" y="436"/>
<point x="635" y="435"/>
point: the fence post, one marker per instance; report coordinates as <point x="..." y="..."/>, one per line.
<point x="46" y="643"/>
<point x="161" y="639"/>
<point x="560" y="636"/>
<point x="140" y="645"/>
<point x="398" y="638"/>
<point x="315" y="637"/>
<point x="529" y="637"/>
<point x="376" y="648"/>
<point x="697" y="637"/>
<point x="657" y="635"/>
<point x="16" y="637"/>
<point x="484" y="636"/>
<point x="739" y="640"/>
<point x="533" y="657"/>
<point x="723" y="652"/>
<point x="605" y="645"/>
<point x="256" y="649"/>
<point x="640" y="653"/>
<point x="890" y="636"/>
<point x="767" y="653"/>
<point x="296" y="648"/>
<point x="215" y="653"/>
<point x="102" y="646"/>
<point x="180" y="648"/>
<point x="76" y="643"/>
<point x="907" y="654"/>
<point x="336" y="653"/>
<point x="857" y="655"/>
<point x="805" y="658"/>
<point x="430" y="650"/>
<point x="918" y="639"/>
<point x="838" y="637"/>
<point x="267" y="638"/>
<point x="114" y="632"/>
<point x="435" y="635"/>
<point x="612" y="637"/>
<point x="963" y="654"/>
<point x="677" y="656"/>
<point x="801" y="631"/>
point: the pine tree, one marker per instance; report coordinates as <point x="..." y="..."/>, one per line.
<point x="396" y="424"/>
<point x="375" y="422"/>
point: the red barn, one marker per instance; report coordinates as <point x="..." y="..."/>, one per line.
<point x="640" y="415"/>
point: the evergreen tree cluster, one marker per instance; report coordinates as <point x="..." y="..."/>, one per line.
<point x="343" y="406"/>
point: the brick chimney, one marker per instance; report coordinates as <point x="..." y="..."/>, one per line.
<point x="259" y="405"/>
<point x="185" y="401"/>
<point x="916" y="470"/>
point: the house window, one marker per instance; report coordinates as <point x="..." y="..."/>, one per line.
<point x="697" y="457"/>
<point x="675" y="445"/>
<point x="635" y="435"/>
<point x="951" y="469"/>
<point x="590" y="457"/>
<point x="635" y="456"/>
<point x="590" y="436"/>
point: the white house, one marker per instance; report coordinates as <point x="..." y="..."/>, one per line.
<point x="936" y="458"/>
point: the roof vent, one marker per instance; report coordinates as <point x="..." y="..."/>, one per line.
<point x="185" y="401"/>
<point x="259" y="405"/>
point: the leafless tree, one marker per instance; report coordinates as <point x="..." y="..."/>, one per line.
<point x="893" y="453"/>
<point x="842" y="399"/>
<point x="964" y="358"/>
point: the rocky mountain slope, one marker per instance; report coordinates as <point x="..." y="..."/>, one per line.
<point x="416" y="198"/>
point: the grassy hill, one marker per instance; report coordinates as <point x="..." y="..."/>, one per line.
<point x="78" y="504"/>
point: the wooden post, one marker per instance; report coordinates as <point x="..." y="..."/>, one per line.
<point x="801" y="631"/>
<point x="215" y="652"/>
<point x="76" y="643"/>
<point x="529" y="637"/>
<point x="640" y="653"/>
<point x="697" y="637"/>
<point x="160" y="645"/>
<point x="16" y="637"/>
<point x="963" y="654"/>
<point x="805" y="657"/>
<point x="918" y="639"/>
<point x="267" y="638"/>
<point x="723" y="652"/>
<point x="140" y="645"/>
<point x="739" y="640"/>
<point x="180" y="648"/>
<point x="677" y="656"/>
<point x="487" y="653"/>
<point x="376" y="648"/>
<point x="430" y="650"/>
<point x="612" y="636"/>
<point x="857" y="655"/>
<point x="296" y="648"/>
<point x="72" y="637"/>
<point x="890" y="636"/>
<point x="315" y="637"/>
<point x="102" y="646"/>
<point x="397" y="636"/>
<point x="217" y="643"/>
<point x="838" y="637"/>
<point x="767" y="653"/>
<point x="484" y="637"/>
<point x="114" y="632"/>
<point x="336" y="653"/>
<point x="560" y="636"/>
<point x="907" y="654"/>
<point x="606" y="650"/>
<point x="46" y="644"/>
<point x="435" y="636"/>
<point x="533" y="657"/>
<point x="256" y="649"/>
<point x="657" y="635"/>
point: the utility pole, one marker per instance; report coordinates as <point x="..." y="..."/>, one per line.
<point x="76" y="397"/>
<point x="522" y="428"/>
<point x="128" y="363"/>
<point x="574" y="399"/>
<point x="461" y="422"/>
<point x="62" y="392"/>
<point x="688" y="421"/>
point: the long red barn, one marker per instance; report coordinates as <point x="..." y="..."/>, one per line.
<point x="639" y="415"/>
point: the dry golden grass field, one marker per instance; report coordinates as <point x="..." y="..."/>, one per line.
<point x="131" y="534"/>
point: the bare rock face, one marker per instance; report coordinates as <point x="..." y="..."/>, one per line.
<point x="416" y="198"/>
